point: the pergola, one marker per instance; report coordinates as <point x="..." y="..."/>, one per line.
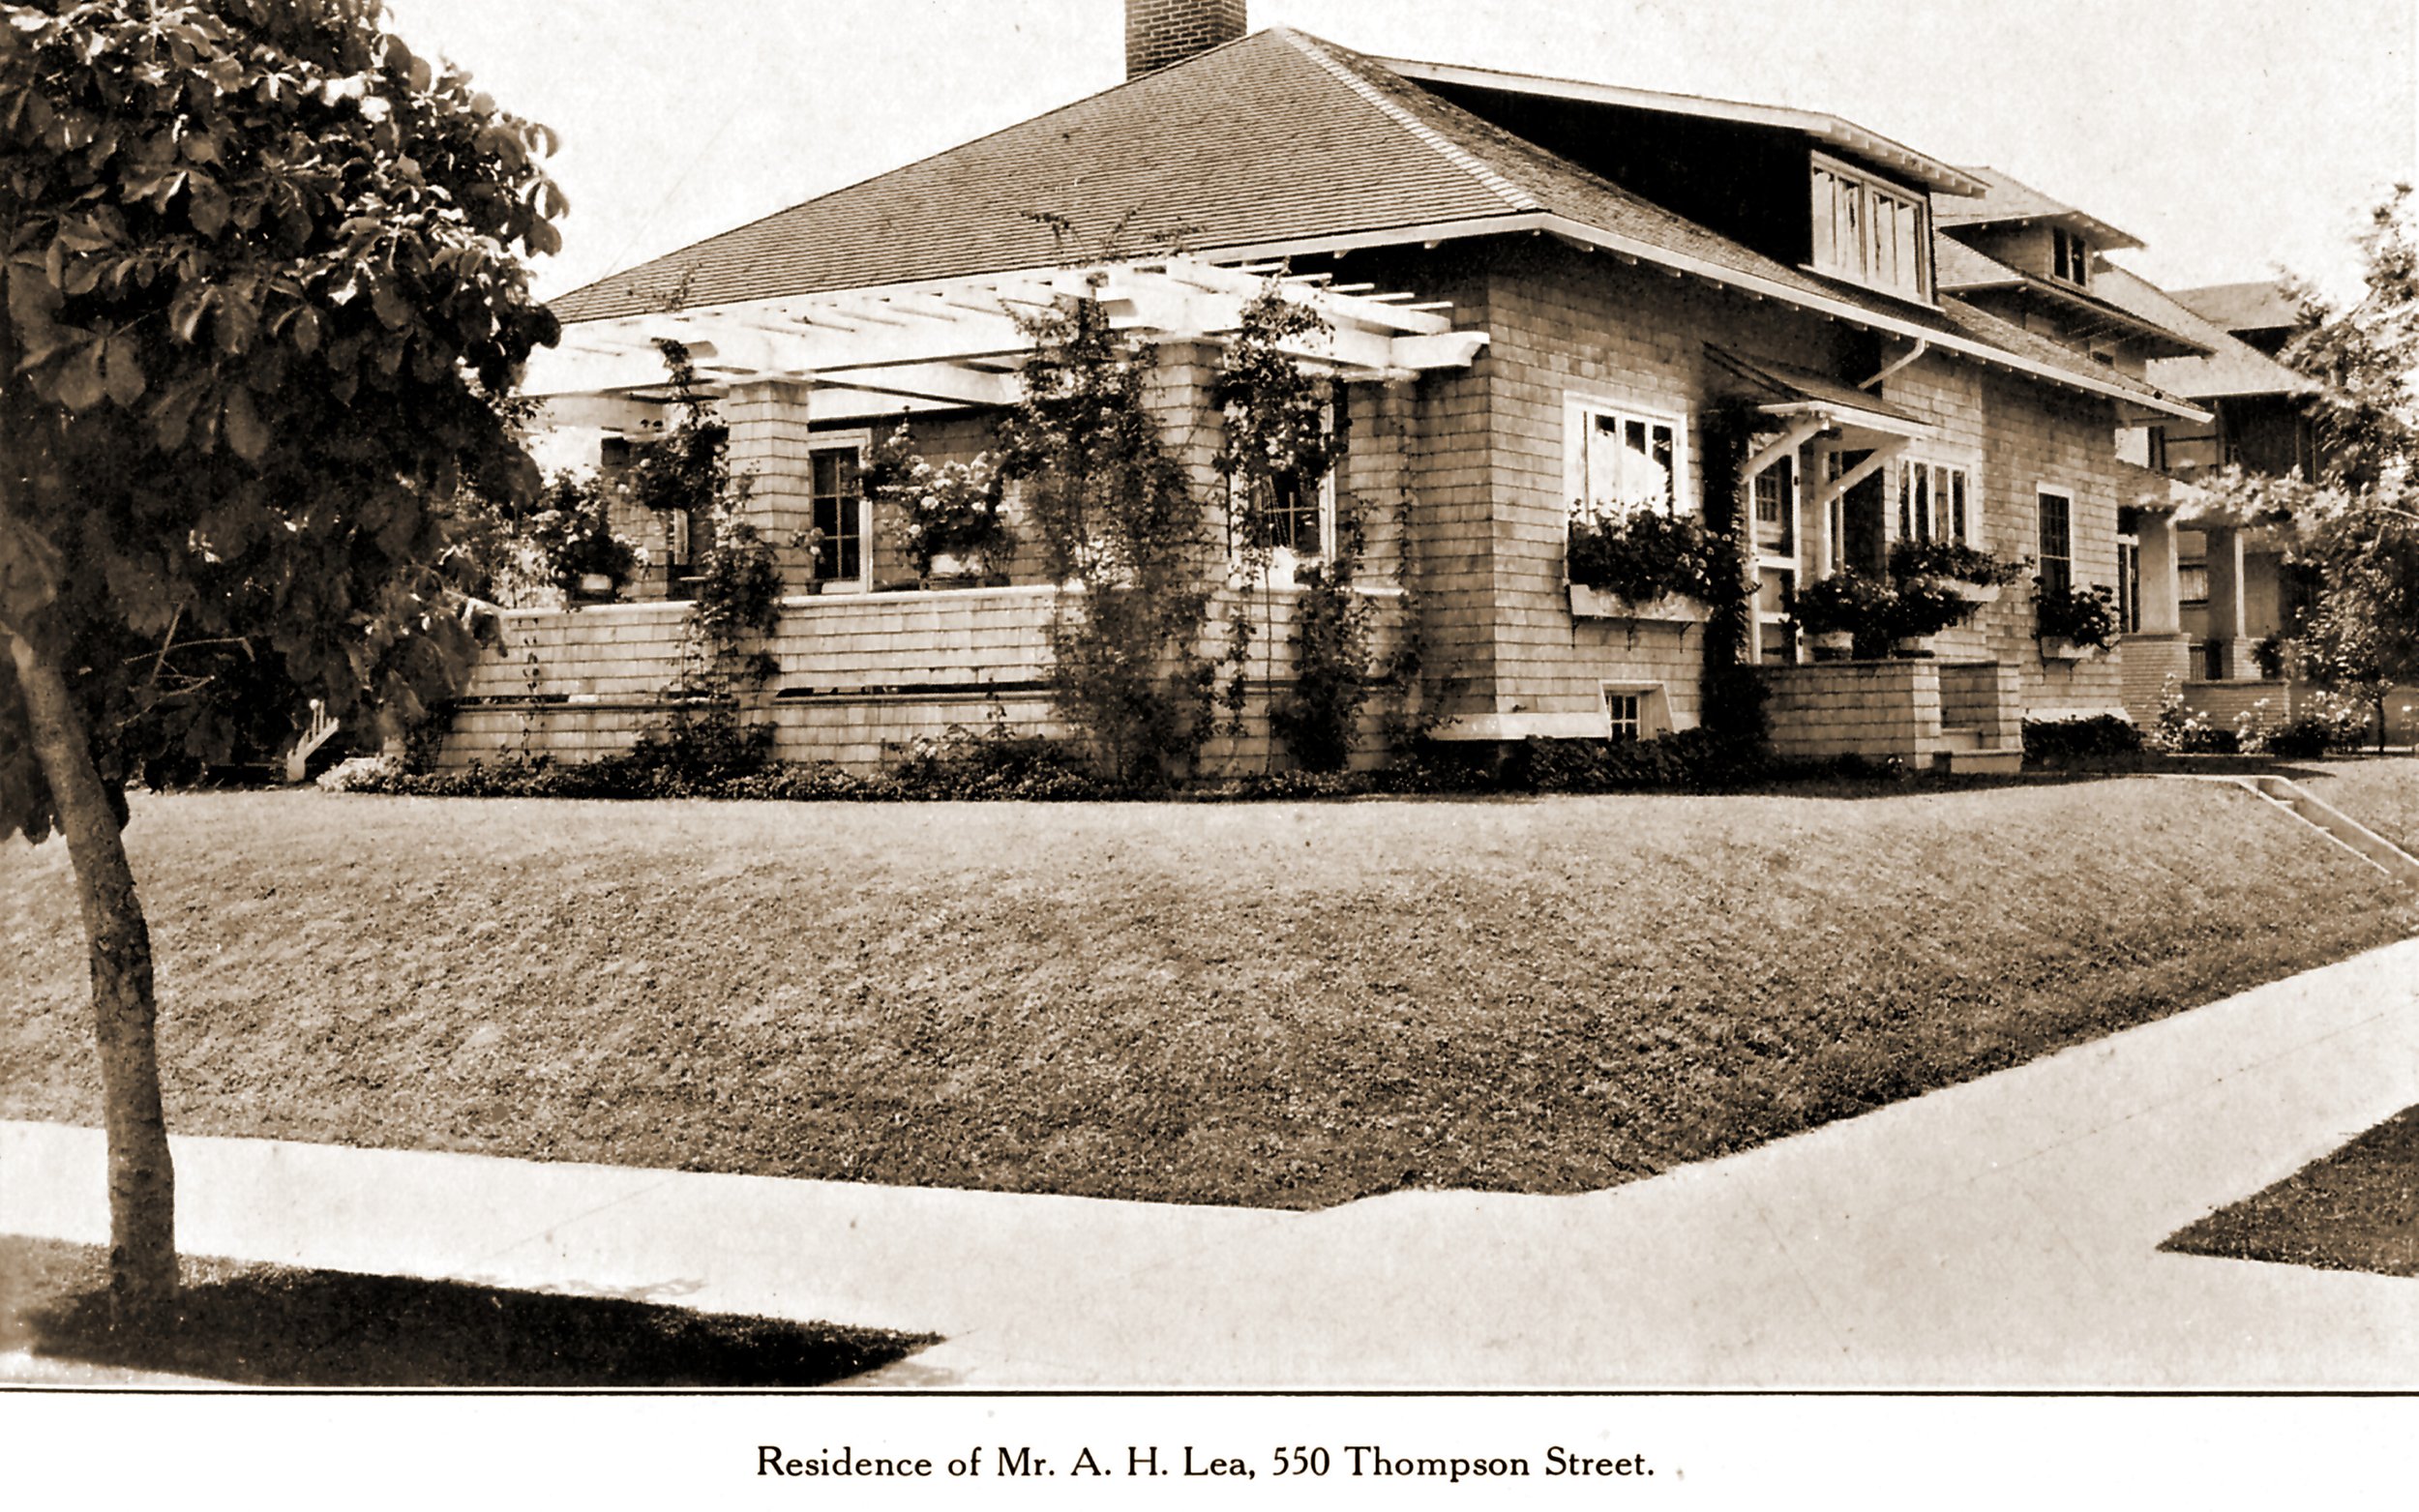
<point x="958" y="342"/>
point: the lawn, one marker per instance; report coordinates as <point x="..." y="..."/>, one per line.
<point x="2381" y="792"/>
<point x="1289" y="1005"/>
<point x="272" y="1326"/>
<point x="2357" y="1209"/>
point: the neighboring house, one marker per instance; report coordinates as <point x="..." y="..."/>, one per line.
<point x="2199" y="592"/>
<point x="1538" y="289"/>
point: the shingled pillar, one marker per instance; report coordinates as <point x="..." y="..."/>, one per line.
<point x="1160" y="33"/>
<point x="768" y="444"/>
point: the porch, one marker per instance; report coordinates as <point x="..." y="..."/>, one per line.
<point x="1966" y="716"/>
<point x="860" y="677"/>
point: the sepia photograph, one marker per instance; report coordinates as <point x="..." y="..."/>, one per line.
<point x="1038" y="743"/>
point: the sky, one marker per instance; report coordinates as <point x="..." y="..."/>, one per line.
<point x="2235" y="137"/>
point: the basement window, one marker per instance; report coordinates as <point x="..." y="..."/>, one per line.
<point x="1870" y="232"/>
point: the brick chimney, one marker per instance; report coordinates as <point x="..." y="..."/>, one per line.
<point x="1159" y="33"/>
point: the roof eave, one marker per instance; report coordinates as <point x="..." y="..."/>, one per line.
<point x="1848" y="136"/>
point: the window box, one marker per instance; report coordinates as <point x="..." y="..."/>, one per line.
<point x="1671" y="609"/>
<point x="2058" y="648"/>
<point x="1976" y="593"/>
<point x="1832" y="645"/>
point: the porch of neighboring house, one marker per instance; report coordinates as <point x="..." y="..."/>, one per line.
<point x="2211" y="593"/>
<point x="870" y="662"/>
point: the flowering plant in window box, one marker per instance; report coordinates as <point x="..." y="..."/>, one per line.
<point x="950" y="519"/>
<point x="1920" y="609"/>
<point x="1971" y="574"/>
<point x="2075" y="624"/>
<point x="1639" y="564"/>
<point x="1843" y="610"/>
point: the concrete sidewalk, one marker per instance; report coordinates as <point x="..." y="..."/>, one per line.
<point x="1999" y="1235"/>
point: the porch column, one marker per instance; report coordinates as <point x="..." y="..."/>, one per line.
<point x="2162" y="593"/>
<point x="2226" y="598"/>
<point x="768" y="443"/>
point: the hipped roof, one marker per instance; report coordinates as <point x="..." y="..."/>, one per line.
<point x="1277" y="143"/>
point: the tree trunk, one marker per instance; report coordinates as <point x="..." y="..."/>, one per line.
<point x="142" y="1184"/>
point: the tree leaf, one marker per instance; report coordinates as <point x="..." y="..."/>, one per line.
<point x="206" y="205"/>
<point x="185" y="312"/>
<point x="305" y="329"/>
<point x="80" y="386"/>
<point x="122" y="370"/>
<point x="242" y="425"/>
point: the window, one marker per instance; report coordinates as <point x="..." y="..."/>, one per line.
<point x="1301" y="519"/>
<point x="837" y="506"/>
<point x="1621" y="462"/>
<point x="1775" y="509"/>
<point x="2069" y="255"/>
<point x="1935" y="502"/>
<point x="1627" y="713"/>
<point x="2057" y="540"/>
<point x="2128" y="572"/>
<point x="2157" y="448"/>
<point x="1636" y="711"/>
<point x="1866" y="231"/>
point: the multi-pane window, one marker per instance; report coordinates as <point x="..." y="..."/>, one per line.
<point x="1627" y="713"/>
<point x="1624" y="464"/>
<point x="839" y="512"/>
<point x="1776" y="520"/>
<point x="2057" y="540"/>
<point x="1935" y="503"/>
<point x="2069" y="255"/>
<point x="1299" y="517"/>
<point x="1870" y="232"/>
<point x="2129" y="588"/>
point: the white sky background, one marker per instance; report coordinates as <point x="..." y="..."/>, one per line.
<point x="2234" y="137"/>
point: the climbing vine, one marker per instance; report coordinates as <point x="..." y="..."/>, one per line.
<point x="1120" y="527"/>
<point x="1285" y="436"/>
<point x="1733" y="694"/>
<point x="724" y="661"/>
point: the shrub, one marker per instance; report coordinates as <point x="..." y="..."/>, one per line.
<point x="573" y="535"/>
<point x="956" y="508"/>
<point x="1921" y="607"/>
<point x="1643" y="555"/>
<point x="2101" y="740"/>
<point x="2086" y="615"/>
<point x="1952" y="559"/>
<point x="1844" y="601"/>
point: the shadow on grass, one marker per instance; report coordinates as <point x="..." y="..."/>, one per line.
<point x="2356" y="1209"/>
<point x="269" y="1325"/>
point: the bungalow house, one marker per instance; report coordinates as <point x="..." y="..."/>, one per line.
<point x="1537" y="291"/>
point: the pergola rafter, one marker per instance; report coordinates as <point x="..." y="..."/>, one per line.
<point x="958" y="342"/>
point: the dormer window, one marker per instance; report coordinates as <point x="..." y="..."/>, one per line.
<point x="2070" y="257"/>
<point x="1870" y="232"/>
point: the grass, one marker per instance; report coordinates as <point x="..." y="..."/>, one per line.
<point x="2357" y="1209"/>
<point x="270" y="1325"/>
<point x="1287" y="1005"/>
<point x="2381" y="792"/>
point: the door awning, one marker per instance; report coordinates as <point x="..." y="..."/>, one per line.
<point x="1793" y="394"/>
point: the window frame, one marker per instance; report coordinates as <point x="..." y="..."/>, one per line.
<point x="2128" y="573"/>
<point x="1861" y="190"/>
<point x="1649" y="702"/>
<point x="2063" y="579"/>
<point x="1910" y="525"/>
<point x="1283" y="559"/>
<point x="1580" y="413"/>
<point x="2070" y="257"/>
<point x="857" y="443"/>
